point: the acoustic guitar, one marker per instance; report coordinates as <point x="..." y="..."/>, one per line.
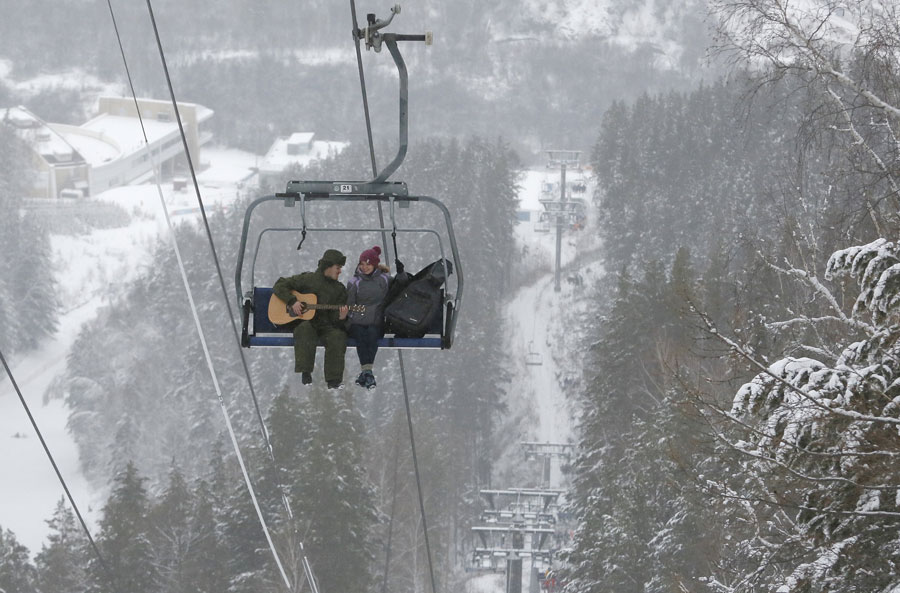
<point x="281" y="314"/>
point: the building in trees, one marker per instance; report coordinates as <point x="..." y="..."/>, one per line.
<point x="58" y="168"/>
<point x="298" y="149"/>
<point x="109" y="150"/>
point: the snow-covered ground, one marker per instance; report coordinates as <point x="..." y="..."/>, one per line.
<point x="541" y="372"/>
<point x="545" y="336"/>
<point x="542" y="347"/>
<point x="86" y="265"/>
<point x="490" y="582"/>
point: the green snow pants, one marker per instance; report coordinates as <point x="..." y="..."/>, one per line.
<point x="306" y="337"/>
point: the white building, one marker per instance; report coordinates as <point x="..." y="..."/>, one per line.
<point x="110" y="150"/>
<point x="300" y="148"/>
<point x="58" y="168"/>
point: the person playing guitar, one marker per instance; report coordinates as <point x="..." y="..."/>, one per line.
<point x="328" y="323"/>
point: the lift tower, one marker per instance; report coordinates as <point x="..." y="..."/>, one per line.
<point x="546" y="453"/>
<point x="519" y="523"/>
<point x="562" y="211"/>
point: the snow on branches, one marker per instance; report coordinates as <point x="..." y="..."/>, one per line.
<point x="863" y="383"/>
<point x="876" y="266"/>
<point x="825" y="438"/>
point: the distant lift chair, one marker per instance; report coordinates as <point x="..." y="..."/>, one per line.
<point x="533" y="357"/>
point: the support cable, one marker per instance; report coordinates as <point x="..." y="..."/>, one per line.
<point x="387" y="256"/>
<point x="59" y="476"/>
<point x="362" y="84"/>
<point x="390" y="534"/>
<point x="412" y="445"/>
<point x="305" y="562"/>
<point x="189" y="294"/>
<point x="409" y="421"/>
<point x="209" y="236"/>
<point x="365" y="100"/>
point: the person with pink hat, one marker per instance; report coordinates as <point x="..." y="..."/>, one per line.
<point x="368" y="287"/>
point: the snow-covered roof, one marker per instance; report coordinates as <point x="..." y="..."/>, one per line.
<point x="278" y="157"/>
<point x="51" y="145"/>
<point x="94" y="150"/>
<point x="20" y="118"/>
<point x="301" y="138"/>
<point x="122" y="133"/>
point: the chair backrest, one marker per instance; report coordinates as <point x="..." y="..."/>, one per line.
<point x="261" y="323"/>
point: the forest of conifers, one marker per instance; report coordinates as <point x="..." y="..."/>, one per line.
<point x="740" y="411"/>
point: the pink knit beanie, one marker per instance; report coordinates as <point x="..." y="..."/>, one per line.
<point x="370" y="256"/>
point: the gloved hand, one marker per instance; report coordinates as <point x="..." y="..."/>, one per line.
<point x="399" y="267"/>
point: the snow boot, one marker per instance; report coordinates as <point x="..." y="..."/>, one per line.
<point x="306" y="378"/>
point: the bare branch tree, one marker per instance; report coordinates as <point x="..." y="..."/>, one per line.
<point x="846" y="53"/>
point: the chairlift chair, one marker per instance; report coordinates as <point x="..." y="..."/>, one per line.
<point x="533" y="357"/>
<point x="542" y="226"/>
<point x="258" y="329"/>
<point x="299" y="196"/>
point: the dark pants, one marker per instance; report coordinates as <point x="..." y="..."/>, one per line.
<point x="366" y="337"/>
<point x="306" y="338"/>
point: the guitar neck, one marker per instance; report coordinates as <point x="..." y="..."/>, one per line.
<point x="317" y="306"/>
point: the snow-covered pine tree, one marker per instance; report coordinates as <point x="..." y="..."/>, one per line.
<point x="25" y="271"/>
<point x="332" y="497"/>
<point x="62" y="562"/>
<point x="171" y="535"/>
<point x="17" y="573"/>
<point x="207" y="564"/>
<point x="639" y="518"/>
<point x="123" y="539"/>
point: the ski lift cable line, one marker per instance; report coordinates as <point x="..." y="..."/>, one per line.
<point x="210" y="365"/>
<point x="365" y="100"/>
<point x="31" y="418"/>
<point x="198" y="325"/>
<point x="362" y="84"/>
<point x="186" y="283"/>
<point x="189" y="294"/>
<point x="398" y="60"/>
<point x="412" y="444"/>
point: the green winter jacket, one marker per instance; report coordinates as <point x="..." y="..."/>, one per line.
<point x="327" y="291"/>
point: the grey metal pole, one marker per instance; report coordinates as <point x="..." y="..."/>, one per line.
<point x="514" y="565"/>
<point x="560" y="215"/>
